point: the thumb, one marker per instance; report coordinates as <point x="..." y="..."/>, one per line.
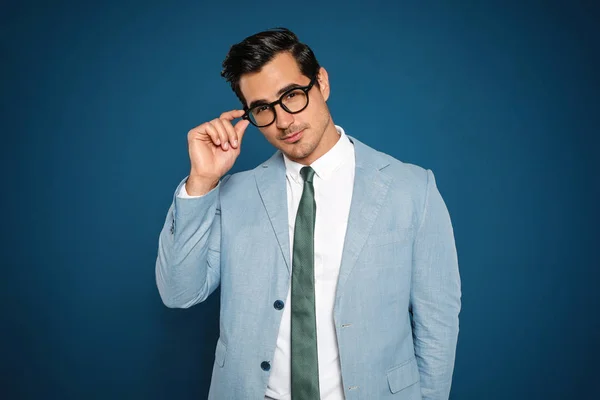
<point x="240" y="128"/>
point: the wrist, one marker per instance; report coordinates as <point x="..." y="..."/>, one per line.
<point x="199" y="186"/>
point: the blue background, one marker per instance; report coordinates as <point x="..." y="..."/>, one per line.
<point x="500" y="99"/>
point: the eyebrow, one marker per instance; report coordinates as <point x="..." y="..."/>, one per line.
<point x="278" y="94"/>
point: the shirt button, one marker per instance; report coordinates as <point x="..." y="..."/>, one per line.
<point x="278" y="305"/>
<point x="265" y="365"/>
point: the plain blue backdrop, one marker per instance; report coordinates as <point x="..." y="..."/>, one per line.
<point x="499" y="99"/>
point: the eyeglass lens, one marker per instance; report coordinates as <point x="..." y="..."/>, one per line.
<point x="292" y="102"/>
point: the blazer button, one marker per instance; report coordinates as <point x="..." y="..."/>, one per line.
<point x="278" y="305"/>
<point x="265" y="365"/>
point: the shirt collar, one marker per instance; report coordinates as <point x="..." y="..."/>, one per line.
<point x="327" y="163"/>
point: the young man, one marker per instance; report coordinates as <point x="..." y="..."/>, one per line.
<point x="337" y="263"/>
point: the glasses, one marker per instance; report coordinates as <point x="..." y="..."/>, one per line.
<point x="293" y="101"/>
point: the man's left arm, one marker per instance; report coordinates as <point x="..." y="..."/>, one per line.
<point x="435" y="300"/>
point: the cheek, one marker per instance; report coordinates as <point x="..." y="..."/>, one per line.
<point x="270" y="134"/>
<point x="319" y="109"/>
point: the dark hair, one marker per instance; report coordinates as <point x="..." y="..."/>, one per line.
<point x="251" y="54"/>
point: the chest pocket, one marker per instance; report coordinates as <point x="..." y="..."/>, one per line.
<point x="387" y="250"/>
<point x="387" y="238"/>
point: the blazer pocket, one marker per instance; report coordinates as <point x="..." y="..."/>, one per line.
<point x="390" y="250"/>
<point x="382" y="239"/>
<point x="220" y="353"/>
<point x="403" y="375"/>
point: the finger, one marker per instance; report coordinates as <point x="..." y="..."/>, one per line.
<point x="231" y="115"/>
<point x="231" y="133"/>
<point x="201" y="132"/>
<point x="213" y="133"/>
<point x="223" y="136"/>
<point x="221" y="125"/>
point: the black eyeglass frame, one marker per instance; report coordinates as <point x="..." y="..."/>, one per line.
<point x="272" y="105"/>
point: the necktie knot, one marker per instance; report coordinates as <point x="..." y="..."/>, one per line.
<point x="307" y="173"/>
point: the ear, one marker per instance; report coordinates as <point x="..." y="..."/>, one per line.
<point x="323" y="79"/>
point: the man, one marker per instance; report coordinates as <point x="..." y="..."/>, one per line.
<point x="337" y="263"/>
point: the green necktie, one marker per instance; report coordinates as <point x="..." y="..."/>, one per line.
<point x="305" y="371"/>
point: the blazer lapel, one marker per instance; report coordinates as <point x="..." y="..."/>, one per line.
<point x="270" y="181"/>
<point x="369" y="191"/>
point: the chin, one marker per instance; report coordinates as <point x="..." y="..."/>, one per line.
<point x="299" y="151"/>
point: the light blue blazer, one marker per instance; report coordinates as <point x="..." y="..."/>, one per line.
<point x="398" y="295"/>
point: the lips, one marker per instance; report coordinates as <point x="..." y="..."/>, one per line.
<point x="293" y="137"/>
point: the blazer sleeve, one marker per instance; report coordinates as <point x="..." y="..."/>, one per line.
<point x="435" y="300"/>
<point x="188" y="262"/>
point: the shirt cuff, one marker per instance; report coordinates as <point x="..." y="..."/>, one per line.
<point x="183" y="194"/>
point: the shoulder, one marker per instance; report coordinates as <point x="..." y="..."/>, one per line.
<point x="407" y="185"/>
<point x="404" y="175"/>
<point x="406" y="172"/>
<point x="409" y="181"/>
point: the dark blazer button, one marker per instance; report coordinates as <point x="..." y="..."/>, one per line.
<point x="278" y="305"/>
<point x="265" y="365"/>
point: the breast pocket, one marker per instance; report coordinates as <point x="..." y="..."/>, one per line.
<point x="387" y="250"/>
<point x="387" y="238"/>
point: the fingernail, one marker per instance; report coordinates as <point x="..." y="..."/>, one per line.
<point x="218" y="142"/>
<point x="235" y="142"/>
<point x="226" y="146"/>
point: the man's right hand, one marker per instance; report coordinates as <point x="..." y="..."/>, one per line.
<point x="213" y="146"/>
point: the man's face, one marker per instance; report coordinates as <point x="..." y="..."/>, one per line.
<point x="299" y="136"/>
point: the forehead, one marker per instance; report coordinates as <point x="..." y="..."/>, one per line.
<point x="264" y="84"/>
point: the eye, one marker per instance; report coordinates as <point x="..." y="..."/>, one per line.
<point x="259" y="109"/>
<point x="291" y="95"/>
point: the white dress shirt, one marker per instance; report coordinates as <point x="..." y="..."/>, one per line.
<point x="333" y="182"/>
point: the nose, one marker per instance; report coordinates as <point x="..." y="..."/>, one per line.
<point x="284" y="119"/>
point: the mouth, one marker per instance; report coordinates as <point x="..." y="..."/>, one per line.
<point x="293" y="137"/>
